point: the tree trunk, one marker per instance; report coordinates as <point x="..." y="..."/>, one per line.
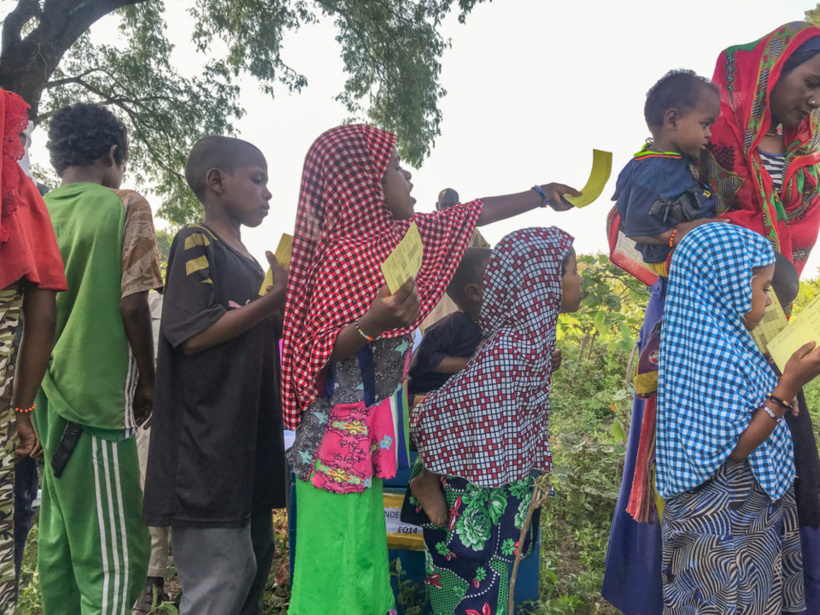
<point x="26" y="64"/>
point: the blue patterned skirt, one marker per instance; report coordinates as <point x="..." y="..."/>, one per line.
<point x="727" y="548"/>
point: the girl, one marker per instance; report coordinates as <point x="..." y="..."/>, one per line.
<point x="725" y="468"/>
<point x="486" y="430"/>
<point x="346" y="350"/>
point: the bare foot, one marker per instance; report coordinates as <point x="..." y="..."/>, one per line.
<point x="428" y="492"/>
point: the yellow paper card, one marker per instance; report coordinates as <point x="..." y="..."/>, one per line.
<point x="803" y="328"/>
<point x="405" y="261"/>
<point x="282" y="254"/>
<point x="601" y="170"/>
<point x="774" y="321"/>
<point x="284" y="250"/>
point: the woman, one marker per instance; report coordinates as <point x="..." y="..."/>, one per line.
<point x="769" y="83"/>
<point x="31" y="274"/>
<point x="761" y="163"/>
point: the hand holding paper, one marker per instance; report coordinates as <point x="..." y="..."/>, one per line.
<point x="601" y="170"/>
<point x="282" y="256"/>
<point x="405" y="260"/>
<point x="804" y="327"/>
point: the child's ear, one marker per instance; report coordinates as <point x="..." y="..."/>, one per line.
<point x="474" y="292"/>
<point x="670" y="119"/>
<point x="213" y="180"/>
<point x="111" y="156"/>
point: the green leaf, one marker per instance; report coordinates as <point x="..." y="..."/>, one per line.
<point x="617" y="431"/>
<point x="600" y="322"/>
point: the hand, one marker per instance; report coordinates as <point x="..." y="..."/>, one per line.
<point x="143" y="403"/>
<point x="557" y="357"/>
<point x="27" y="442"/>
<point x="279" y="286"/>
<point x="392" y="311"/>
<point x="802" y="367"/>
<point x="555" y="192"/>
<point x="685" y="227"/>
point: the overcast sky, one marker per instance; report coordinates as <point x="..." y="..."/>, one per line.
<point x="532" y="86"/>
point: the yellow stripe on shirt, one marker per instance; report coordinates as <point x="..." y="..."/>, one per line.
<point x="197" y="239"/>
<point x="196" y="264"/>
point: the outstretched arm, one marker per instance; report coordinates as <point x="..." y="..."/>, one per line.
<point x="502" y="207"/>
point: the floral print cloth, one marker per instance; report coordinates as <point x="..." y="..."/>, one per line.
<point x="468" y="563"/>
<point x="357" y="429"/>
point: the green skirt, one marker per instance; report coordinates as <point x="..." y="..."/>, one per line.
<point x="341" y="561"/>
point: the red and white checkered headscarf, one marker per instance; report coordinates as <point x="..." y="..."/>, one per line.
<point x="344" y="232"/>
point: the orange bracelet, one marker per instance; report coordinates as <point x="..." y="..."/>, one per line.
<point x="672" y="238"/>
<point x="25" y="410"/>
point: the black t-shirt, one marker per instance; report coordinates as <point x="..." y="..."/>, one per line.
<point x="455" y="335"/>
<point x="217" y="451"/>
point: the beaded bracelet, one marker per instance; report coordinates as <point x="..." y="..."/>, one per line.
<point x="544" y="198"/>
<point x="672" y="238"/>
<point x="768" y="411"/>
<point x="367" y="337"/>
<point x="25" y="410"/>
<point x="780" y="402"/>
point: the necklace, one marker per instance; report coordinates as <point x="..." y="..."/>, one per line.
<point x="776" y="132"/>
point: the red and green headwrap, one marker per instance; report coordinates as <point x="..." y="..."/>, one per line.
<point x="746" y="75"/>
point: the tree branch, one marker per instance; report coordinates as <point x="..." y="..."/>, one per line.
<point x="14" y="22"/>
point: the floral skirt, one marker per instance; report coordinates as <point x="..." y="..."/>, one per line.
<point x="468" y="564"/>
<point x="727" y="548"/>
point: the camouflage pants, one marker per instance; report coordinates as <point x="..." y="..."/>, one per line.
<point x="11" y="304"/>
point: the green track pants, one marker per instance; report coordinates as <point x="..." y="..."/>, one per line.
<point x="94" y="549"/>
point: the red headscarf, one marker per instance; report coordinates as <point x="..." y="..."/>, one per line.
<point x="746" y="75"/>
<point x="344" y="232"/>
<point x="28" y="247"/>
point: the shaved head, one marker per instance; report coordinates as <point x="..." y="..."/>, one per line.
<point x="446" y="199"/>
<point x="224" y="153"/>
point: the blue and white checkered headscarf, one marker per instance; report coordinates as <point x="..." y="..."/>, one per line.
<point x="712" y="377"/>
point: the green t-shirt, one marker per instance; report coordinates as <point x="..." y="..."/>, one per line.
<point x="90" y="373"/>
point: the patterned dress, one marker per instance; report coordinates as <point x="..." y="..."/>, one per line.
<point x="731" y="541"/>
<point x="487" y="429"/>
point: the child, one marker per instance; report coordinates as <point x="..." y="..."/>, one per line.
<point x="99" y="385"/>
<point x="659" y="194"/>
<point x="731" y="541"/>
<point x="486" y="430"/>
<point x="31" y="274"/>
<point x="346" y="349"/>
<point x="448" y="345"/>
<point x="216" y="457"/>
<point x="445" y="350"/>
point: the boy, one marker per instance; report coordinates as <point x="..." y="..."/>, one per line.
<point x="99" y="384"/>
<point x="659" y="194"/>
<point x="448" y="345"/>
<point x="448" y="198"/>
<point x="216" y="464"/>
